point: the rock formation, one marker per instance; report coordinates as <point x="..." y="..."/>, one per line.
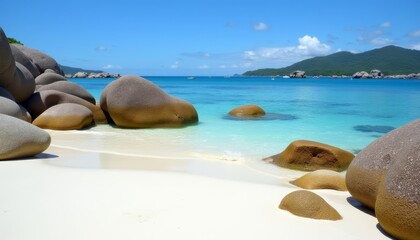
<point x="250" y="110"/>
<point x="298" y="74"/>
<point x="23" y="139"/>
<point x="308" y="156"/>
<point x="385" y="177"/>
<point x="321" y="179"/>
<point x="134" y="102"/>
<point x="310" y="205"/>
<point x="70" y="88"/>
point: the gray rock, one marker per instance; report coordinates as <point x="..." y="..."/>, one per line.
<point x="10" y="108"/>
<point x="6" y="94"/>
<point x="12" y="78"/>
<point x="41" y="60"/>
<point x="70" y="88"/>
<point x="21" y="58"/>
<point x="23" y="139"/>
<point x="298" y="74"/>
<point x="80" y="75"/>
<point x="375" y="73"/>
<point x="362" y="74"/>
<point x="48" y="78"/>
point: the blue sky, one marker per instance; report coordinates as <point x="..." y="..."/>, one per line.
<point x="208" y="37"/>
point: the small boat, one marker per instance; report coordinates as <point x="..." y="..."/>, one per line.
<point x="190" y="78"/>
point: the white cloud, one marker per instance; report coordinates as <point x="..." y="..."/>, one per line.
<point x="312" y="46"/>
<point x="175" y="65"/>
<point x="260" y="26"/>
<point x="380" y="41"/>
<point x="386" y="24"/>
<point x="110" y="66"/>
<point x="204" y="66"/>
<point x="415" y="33"/>
<point x="101" y="49"/>
<point x="416" y="46"/>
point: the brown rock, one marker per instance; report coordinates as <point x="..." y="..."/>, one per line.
<point x="310" y="205"/>
<point x="134" y="102"/>
<point x="322" y="179"/>
<point x="66" y="116"/>
<point x="308" y="156"/>
<point x="41" y="101"/>
<point x="48" y="78"/>
<point x="250" y="110"/>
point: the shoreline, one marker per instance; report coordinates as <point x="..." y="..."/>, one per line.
<point x="74" y="193"/>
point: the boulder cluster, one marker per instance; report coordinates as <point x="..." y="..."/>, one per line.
<point x="298" y="74"/>
<point x="375" y="73"/>
<point x="95" y="75"/>
<point x="34" y="95"/>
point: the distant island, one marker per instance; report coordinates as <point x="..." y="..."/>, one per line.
<point x="391" y="60"/>
<point x="73" y="72"/>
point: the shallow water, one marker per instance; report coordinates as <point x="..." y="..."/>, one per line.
<point x="325" y="110"/>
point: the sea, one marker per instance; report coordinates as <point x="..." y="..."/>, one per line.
<point x="346" y="113"/>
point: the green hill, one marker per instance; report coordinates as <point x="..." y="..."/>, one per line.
<point x="390" y="60"/>
<point x="72" y="70"/>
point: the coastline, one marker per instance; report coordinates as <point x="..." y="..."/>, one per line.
<point x="83" y="187"/>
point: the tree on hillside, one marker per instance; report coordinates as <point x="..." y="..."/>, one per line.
<point x="12" y="40"/>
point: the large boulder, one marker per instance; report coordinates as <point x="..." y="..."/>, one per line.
<point x="309" y="156"/>
<point x="41" y="101"/>
<point x="23" y="139"/>
<point x="12" y="78"/>
<point x="21" y="58"/>
<point x="10" y="108"/>
<point x="298" y="74"/>
<point x="70" y="88"/>
<point x="249" y="110"/>
<point x="80" y="75"/>
<point x="375" y="73"/>
<point x="48" y="78"/>
<point x="134" y="102"/>
<point x="362" y="74"/>
<point x="66" y="116"/>
<point x="321" y="179"/>
<point x="308" y="204"/>
<point x="41" y="60"/>
<point x="385" y="176"/>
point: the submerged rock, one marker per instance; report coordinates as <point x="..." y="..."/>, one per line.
<point x="308" y="156"/>
<point x="134" y="102"/>
<point x="310" y="205"/>
<point x="373" y="128"/>
<point x="321" y="179"/>
<point x="250" y="110"/>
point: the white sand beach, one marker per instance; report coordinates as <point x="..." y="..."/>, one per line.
<point x="89" y="185"/>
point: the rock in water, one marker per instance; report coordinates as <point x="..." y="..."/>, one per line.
<point x="66" y="116"/>
<point x="321" y="179"/>
<point x="308" y="204"/>
<point x="250" y="110"/>
<point x="23" y="139"/>
<point x="308" y="156"/>
<point x="134" y="102"/>
<point x="385" y="176"/>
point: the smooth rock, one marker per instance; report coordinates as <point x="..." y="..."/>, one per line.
<point x="308" y="204"/>
<point x="250" y="110"/>
<point x="23" y="139"/>
<point x="309" y="156"/>
<point x="375" y="73"/>
<point x="48" y="78"/>
<point x="41" y="60"/>
<point x="367" y="170"/>
<point x="298" y="74"/>
<point x="70" y="88"/>
<point x="80" y="75"/>
<point x="10" y="108"/>
<point x="66" y="116"/>
<point x="134" y="102"/>
<point x="21" y="58"/>
<point x="41" y="101"/>
<point x="6" y="94"/>
<point x="321" y="179"/>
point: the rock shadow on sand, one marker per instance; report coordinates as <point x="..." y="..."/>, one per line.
<point x="352" y="201"/>
<point x="39" y="156"/>
<point x="266" y="117"/>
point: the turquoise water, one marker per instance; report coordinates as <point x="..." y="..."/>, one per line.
<point x="324" y="110"/>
